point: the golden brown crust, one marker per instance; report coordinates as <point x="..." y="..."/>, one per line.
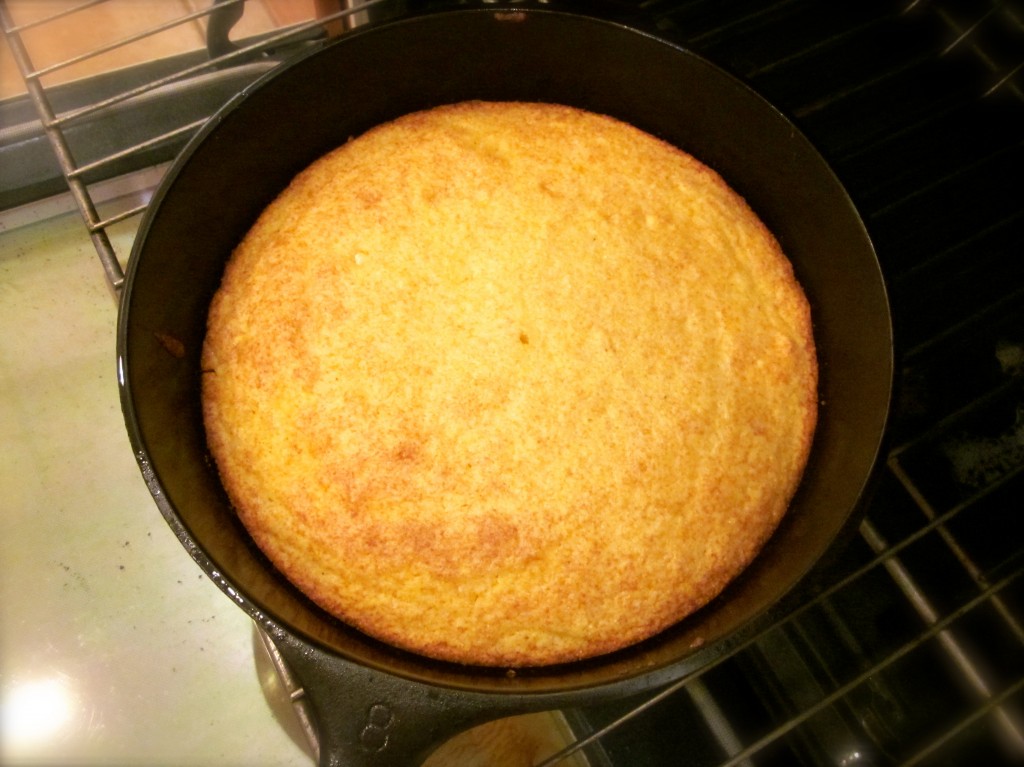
<point x="509" y="384"/>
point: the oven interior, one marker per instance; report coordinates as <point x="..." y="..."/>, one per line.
<point x="909" y="648"/>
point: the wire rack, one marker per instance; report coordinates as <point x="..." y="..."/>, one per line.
<point x="245" y="62"/>
<point x="912" y="650"/>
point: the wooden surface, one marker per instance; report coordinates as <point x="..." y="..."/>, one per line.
<point x="108" y="22"/>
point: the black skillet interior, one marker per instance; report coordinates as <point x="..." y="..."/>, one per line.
<point x="249" y="152"/>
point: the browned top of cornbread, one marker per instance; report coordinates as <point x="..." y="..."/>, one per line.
<point x="509" y="384"/>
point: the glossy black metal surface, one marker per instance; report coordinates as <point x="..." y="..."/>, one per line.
<point x="250" y="151"/>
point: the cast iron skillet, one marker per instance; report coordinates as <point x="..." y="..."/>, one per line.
<point x="374" y="704"/>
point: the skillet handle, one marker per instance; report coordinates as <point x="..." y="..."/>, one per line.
<point x="368" y="718"/>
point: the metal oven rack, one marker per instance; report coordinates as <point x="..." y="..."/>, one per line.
<point x="69" y="120"/>
<point x="911" y="650"/>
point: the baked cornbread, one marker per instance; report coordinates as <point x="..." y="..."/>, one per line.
<point x="509" y="384"/>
